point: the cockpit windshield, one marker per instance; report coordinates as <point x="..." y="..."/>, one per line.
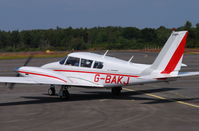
<point x="62" y="61"/>
<point x="81" y="62"/>
<point x="72" y="61"/>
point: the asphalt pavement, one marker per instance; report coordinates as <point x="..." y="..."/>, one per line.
<point x="152" y="107"/>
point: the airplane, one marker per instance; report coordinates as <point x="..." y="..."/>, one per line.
<point x="84" y="69"/>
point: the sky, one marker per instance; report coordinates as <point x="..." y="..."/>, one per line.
<point x="45" y="14"/>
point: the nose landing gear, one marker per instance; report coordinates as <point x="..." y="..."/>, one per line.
<point x="51" y="90"/>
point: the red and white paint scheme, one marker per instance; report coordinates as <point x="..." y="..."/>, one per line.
<point x="94" y="70"/>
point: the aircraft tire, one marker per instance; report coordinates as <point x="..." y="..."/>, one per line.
<point x="65" y="94"/>
<point x="51" y="91"/>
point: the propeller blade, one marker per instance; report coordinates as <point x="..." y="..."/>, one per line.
<point x="28" y="60"/>
<point x="11" y="86"/>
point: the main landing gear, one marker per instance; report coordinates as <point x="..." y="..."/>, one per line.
<point x="116" y="91"/>
<point x="63" y="92"/>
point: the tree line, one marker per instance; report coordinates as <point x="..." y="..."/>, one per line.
<point x="93" y="38"/>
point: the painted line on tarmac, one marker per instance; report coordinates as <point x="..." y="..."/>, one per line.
<point x="163" y="98"/>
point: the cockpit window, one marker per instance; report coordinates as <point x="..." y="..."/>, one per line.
<point x="86" y="63"/>
<point x="98" y="65"/>
<point x="62" y="61"/>
<point x="72" y="61"/>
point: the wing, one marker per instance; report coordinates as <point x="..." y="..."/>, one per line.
<point x="49" y="81"/>
<point x="30" y="80"/>
<point x="37" y="75"/>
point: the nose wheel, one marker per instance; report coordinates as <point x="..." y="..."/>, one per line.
<point x="51" y="90"/>
<point x="63" y="93"/>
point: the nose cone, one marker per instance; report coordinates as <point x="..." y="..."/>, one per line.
<point x="21" y="71"/>
<point x="22" y="68"/>
<point x="17" y="69"/>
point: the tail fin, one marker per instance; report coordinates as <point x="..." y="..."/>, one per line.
<point x="169" y="60"/>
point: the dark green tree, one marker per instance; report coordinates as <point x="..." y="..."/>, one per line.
<point x="188" y="25"/>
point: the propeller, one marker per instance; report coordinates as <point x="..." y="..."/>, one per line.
<point x="28" y="60"/>
<point x="11" y="86"/>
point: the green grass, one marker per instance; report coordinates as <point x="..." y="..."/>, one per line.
<point x="24" y="55"/>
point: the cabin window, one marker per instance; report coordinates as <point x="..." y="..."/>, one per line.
<point x="98" y="65"/>
<point x="62" y="61"/>
<point x="86" y="63"/>
<point x="72" y="61"/>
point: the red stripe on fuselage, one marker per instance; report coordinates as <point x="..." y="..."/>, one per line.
<point x="176" y="56"/>
<point x="90" y="72"/>
<point x="43" y="75"/>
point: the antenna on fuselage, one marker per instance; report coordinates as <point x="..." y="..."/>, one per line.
<point x="105" y="53"/>
<point x="130" y="59"/>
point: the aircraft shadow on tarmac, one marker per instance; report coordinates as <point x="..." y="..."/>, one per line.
<point x="97" y="95"/>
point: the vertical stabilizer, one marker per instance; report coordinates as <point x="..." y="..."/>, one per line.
<point x="169" y="59"/>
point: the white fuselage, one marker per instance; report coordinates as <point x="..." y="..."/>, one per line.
<point x="115" y="72"/>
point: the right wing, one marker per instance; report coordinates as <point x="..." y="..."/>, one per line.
<point x="48" y="81"/>
<point x="30" y="80"/>
<point x="37" y="75"/>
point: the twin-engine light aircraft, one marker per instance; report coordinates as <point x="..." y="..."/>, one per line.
<point x="83" y="69"/>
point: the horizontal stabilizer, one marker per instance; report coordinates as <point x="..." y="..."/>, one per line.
<point x="161" y="76"/>
<point x="182" y="74"/>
